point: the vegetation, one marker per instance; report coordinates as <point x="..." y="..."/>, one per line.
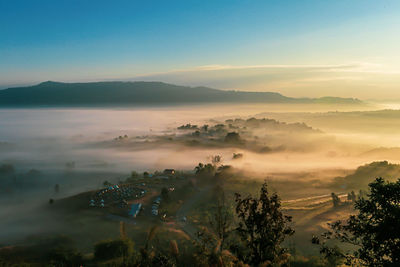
<point x="263" y="227"/>
<point x="373" y="234"/>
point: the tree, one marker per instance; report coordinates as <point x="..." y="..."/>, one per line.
<point x="221" y="217"/>
<point x="335" y="200"/>
<point x="374" y="232"/>
<point x="233" y="138"/>
<point x="134" y="175"/>
<point x="145" y="175"/>
<point x="205" y="170"/>
<point x="165" y="194"/>
<point x="215" y="160"/>
<point x="351" y="196"/>
<point x="196" y="133"/>
<point x="263" y="227"/>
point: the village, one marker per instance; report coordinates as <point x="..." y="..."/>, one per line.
<point x="144" y="194"/>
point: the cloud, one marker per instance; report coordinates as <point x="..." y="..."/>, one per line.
<point x="352" y="79"/>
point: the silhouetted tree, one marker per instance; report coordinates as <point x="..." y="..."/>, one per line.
<point x="374" y="232"/>
<point x="263" y="227"/>
<point x="134" y="175"/>
<point x="233" y="138"/>
<point x="215" y="160"/>
<point x="221" y="216"/>
<point x="351" y="196"/>
<point x="196" y="133"/>
<point x="205" y="169"/>
<point x="335" y="200"/>
<point x="165" y="194"/>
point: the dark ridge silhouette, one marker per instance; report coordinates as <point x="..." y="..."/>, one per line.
<point x="140" y="93"/>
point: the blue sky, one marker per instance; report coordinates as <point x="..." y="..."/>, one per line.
<point x="100" y="40"/>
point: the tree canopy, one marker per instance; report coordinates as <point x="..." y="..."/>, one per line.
<point x="374" y="232"/>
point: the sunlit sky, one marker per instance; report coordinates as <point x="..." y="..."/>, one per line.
<point x="298" y="48"/>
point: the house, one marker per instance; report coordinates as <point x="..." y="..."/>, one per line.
<point x="135" y="209"/>
<point x="169" y="172"/>
<point x="157" y="200"/>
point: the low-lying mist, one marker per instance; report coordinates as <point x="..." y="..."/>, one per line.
<point x="78" y="149"/>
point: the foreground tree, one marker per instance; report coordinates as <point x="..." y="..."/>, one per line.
<point x="221" y="217"/>
<point x="263" y="227"/>
<point x="374" y="232"/>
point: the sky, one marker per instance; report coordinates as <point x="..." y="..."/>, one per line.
<point x="298" y="48"/>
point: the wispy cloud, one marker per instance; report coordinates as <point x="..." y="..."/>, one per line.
<point x="351" y="79"/>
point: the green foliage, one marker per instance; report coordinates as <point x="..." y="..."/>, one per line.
<point x="263" y="227"/>
<point x="374" y="232"/>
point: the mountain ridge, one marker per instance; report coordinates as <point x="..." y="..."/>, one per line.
<point x="119" y="93"/>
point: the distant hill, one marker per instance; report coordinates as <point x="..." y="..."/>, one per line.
<point x="140" y="93"/>
<point x="365" y="174"/>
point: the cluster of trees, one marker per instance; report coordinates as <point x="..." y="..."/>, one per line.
<point x="351" y="198"/>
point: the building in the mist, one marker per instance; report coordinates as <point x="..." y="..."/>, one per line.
<point x="169" y="172"/>
<point x="135" y="209"/>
